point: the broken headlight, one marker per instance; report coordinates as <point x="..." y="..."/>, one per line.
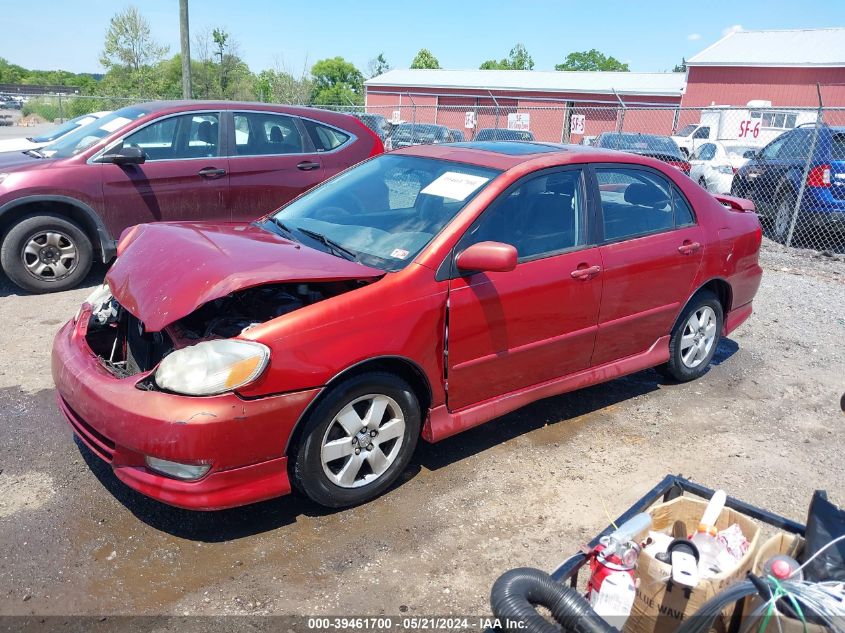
<point x="98" y="299"/>
<point x="212" y="367"/>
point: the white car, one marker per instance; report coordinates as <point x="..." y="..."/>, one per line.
<point x="23" y="144"/>
<point x="714" y="164"/>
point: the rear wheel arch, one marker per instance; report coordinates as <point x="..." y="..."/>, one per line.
<point x="399" y="366"/>
<point x="719" y="287"/>
<point x="74" y="210"/>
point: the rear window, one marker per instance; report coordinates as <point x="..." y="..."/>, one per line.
<point x="325" y="138"/>
<point x="837" y="150"/>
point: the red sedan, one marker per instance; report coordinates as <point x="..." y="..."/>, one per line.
<point x="420" y="293"/>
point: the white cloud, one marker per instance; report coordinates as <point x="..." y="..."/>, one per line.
<point x="731" y="29"/>
<point x="692" y="37"/>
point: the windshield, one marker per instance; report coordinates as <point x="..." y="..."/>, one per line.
<point x="384" y="211"/>
<point x="491" y="134"/>
<point x="639" y="143"/>
<point x="83" y="138"/>
<point x="64" y="128"/>
<point x="687" y="130"/>
<point x="419" y="132"/>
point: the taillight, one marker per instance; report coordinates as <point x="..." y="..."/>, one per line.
<point x="682" y="165"/>
<point x="819" y="176"/>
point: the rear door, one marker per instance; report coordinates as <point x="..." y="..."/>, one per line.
<point x="650" y="253"/>
<point x="338" y="148"/>
<point x="271" y="161"/>
<point x="184" y="177"/>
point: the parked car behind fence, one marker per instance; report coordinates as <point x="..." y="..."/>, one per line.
<point x="797" y="182"/>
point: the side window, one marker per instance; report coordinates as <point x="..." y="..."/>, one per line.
<point x="636" y="202"/>
<point x="702" y="132"/>
<point x="263" y="134"/>
<point x="325" y="138"/>
<point x="796" y="145"/>
<point x="771" y="150"/>
<point x="178" y="137"/>
<point x="707" y="152"/>
<point x="540" y="216"/>
<point x="683" y="213"/>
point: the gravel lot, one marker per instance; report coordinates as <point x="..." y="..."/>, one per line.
<point x="525" y="489"/>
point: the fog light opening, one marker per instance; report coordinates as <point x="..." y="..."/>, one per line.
<point x="185" y="472"/>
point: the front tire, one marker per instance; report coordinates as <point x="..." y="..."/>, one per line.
<point x="357" y="440"/>
<point x="46" y="253"/>
<point x="694" y="338"/>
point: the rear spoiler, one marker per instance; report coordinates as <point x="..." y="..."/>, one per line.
<point x="737" y="204"/>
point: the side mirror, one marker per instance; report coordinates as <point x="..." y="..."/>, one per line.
<point x="124" y="156"/>
<point x="493" y="257"/>
<point x="751" y="153"/>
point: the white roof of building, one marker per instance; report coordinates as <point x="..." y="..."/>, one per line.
<point x="796" y="47"/>
<point x="623" y="83"/>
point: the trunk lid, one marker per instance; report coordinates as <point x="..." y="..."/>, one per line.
<point x="165" y="271"/>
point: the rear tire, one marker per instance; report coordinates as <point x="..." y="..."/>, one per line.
<point x="694" y="338"/>
<point x="357" y="440"/>
<point x="783" y="216"/>
<point x="46" y="253"/>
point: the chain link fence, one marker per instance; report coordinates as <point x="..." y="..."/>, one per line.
<point x="790" y="161"/>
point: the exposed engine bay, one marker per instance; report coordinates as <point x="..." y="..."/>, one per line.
<point x="125" y="348"/>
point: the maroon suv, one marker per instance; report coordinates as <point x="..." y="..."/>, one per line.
<point x="62" y="206"/>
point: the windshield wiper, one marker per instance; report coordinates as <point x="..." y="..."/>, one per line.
<point x="37" y="153"/>
<point x="285" y="228"/>
<point x="337" y="248"/>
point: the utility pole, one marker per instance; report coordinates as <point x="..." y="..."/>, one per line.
<point x="185" y="40"/>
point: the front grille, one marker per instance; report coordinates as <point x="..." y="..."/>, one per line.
<point x="93" y="439"/>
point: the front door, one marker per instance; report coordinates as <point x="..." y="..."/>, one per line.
<point x="184" y="177"/>
<point x="650" y="257"/>
<point x="515" y="329"/>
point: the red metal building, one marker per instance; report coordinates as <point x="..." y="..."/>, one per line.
<point x="549" y="98"/>
<point x="783" y="67"/>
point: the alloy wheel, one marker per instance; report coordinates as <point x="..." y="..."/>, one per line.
<point x="698" y="337"/>
<point x="50" y="255"/>
<point x="362" y="441"/>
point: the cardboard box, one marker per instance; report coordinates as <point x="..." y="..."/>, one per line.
<point x="660" y="606"/>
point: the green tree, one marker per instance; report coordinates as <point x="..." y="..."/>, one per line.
<point x="518" y="59"/>
<point x="425" y="59"/>
<point x="591" y="60"/>
<point x="281" y="86"/>
<point x="378" y="66"/>
<point x="130" y="49"/>
<point x="680" y="68"/>
<point x="337" y="82"/>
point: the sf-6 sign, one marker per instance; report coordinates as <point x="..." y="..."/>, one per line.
<point x="750" y="128"/>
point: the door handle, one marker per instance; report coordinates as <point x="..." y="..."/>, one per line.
<point x="308" y="165"/>
<point x="688" y="247"/>
<point x="211" y="173"/>
<point x="585" y="273"/>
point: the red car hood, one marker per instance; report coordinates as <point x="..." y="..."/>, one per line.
<point x="166" y="271"/>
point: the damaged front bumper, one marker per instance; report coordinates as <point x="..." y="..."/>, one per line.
<point x="243" y="440"/>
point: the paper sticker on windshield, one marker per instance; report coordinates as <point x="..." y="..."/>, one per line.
<point x="114" y="124"/>
<point x="399" y="253"/>
<point x="454" y="185"/>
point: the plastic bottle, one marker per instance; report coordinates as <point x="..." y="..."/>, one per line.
<point x="709" y="548"/>
<point x="783" y="567"/>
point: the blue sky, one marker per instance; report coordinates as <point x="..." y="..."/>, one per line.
<point x="649" y="35"/>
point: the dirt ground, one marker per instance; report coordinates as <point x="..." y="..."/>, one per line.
<point x="526" y="489"/>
